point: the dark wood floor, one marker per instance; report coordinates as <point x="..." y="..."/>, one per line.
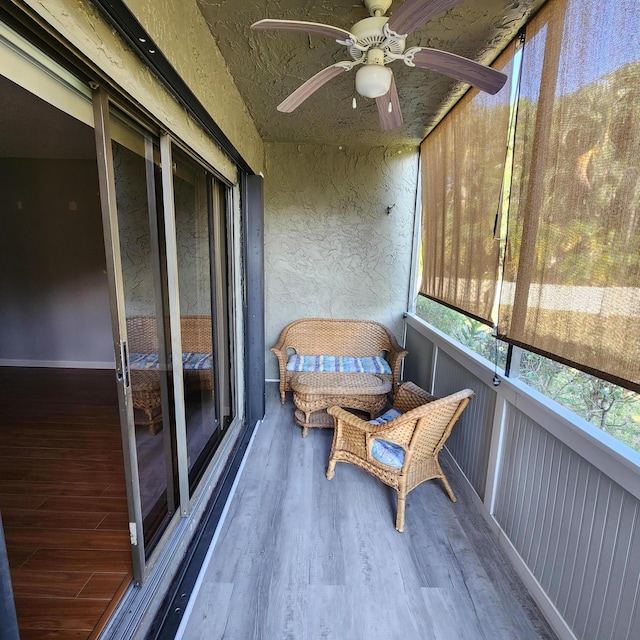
<point x="300" y="557"/>
<point x="62" y="499"/>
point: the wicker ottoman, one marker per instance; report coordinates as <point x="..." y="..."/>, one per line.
<point x="313" y="393"/>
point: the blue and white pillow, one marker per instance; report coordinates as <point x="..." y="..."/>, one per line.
<point x="197" y="361"/>
<point x="388" y="453"/>
<point x="384" y="451"/>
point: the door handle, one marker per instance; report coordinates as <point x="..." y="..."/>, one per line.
<point x="122" y="366"/>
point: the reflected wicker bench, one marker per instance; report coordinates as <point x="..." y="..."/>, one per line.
<point x="197" y="360"/>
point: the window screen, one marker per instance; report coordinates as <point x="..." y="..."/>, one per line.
<point x="463" y="162"/>
<point x="572" y="271"/>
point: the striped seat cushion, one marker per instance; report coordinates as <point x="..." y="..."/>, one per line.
<point x="190" y="360"/>
<point x="339" y="364"/>
<point x="388" y="453"/>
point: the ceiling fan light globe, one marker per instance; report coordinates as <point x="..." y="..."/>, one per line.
<point x="373" y="80"/>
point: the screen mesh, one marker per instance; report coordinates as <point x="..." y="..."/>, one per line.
<point x="463" y="162"/>
<point x="572" y="270"/>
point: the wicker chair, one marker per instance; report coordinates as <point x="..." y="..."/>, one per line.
<point x="418" y="434"/>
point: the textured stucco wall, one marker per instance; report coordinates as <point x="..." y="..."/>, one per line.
<point x="133" y="231"/>
<point x="331" y="248"/>
<point x="192" y="238"/>
<point x="179" y="29"/>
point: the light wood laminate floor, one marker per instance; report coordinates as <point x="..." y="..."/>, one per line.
<point x="300" y="557"/>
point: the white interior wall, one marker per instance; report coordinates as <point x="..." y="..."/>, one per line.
<point x="338" y="235"/>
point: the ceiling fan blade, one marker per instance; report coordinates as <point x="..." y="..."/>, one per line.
<point x="310" y="86"/>
<point x="413" y="13"/>
<point x="474" y="73"/>
<point x="342" y="35"/>
<point x="393" y="119"/>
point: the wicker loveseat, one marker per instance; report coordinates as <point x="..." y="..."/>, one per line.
<point x="197" y="360"/>
<point x="305" y="343"/>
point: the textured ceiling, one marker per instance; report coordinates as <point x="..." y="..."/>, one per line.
<point x="269" y="65"/>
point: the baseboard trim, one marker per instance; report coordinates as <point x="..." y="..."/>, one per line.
<point x="56" y="364"/>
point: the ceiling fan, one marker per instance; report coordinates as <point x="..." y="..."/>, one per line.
<point x="377" y="41"/>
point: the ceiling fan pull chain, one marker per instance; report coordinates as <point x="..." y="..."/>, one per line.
<point x="354" y="104"/>
<point x="390" y="107"/>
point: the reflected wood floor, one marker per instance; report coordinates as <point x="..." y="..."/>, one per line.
<point x="62" y="499"/>
<point x="300" y="557"/>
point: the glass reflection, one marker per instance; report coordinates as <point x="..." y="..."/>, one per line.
<point x="138" y="200"/>
<point x="193" y="205"/>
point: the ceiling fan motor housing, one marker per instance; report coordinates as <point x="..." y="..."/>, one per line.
<point x="370" y="35"/>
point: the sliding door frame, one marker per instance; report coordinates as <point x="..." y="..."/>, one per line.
<point x="101" y="104"/>
<point x="168" y="202"/>
<point x="219" y="203"/>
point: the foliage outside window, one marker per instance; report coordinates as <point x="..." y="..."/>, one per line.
<point x="569" y="283"/>
<point x="474" y="335"/>
<point x="609" y="407"/>
<point x="572" y="264"/>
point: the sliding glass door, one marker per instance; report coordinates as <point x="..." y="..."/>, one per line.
<point x="201" y="270"/>
<point x="166" y="233"/>
<point x="129" y="163"/>
<point x="136" y="173"/>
